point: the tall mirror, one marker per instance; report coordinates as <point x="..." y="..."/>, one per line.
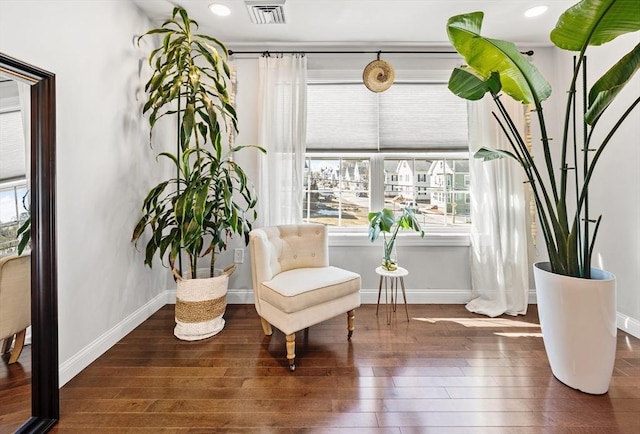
<point x="38" y="177"/>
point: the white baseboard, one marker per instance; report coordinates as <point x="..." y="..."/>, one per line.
<point x="71" y="367"/>
<point x="368" y="296"/>
<point x="628" y="324"/>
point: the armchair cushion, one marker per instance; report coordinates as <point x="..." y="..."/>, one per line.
<point x="298" y="289"/>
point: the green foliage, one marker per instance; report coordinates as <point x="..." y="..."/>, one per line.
<point x="24" y="231"/>
<point x="210" y="199"/>
<point x="385" y="222"/>
<point x="569" y="240"/>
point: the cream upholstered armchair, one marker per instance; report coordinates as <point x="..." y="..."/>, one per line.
<point x="294" y="285"/>
<point x="15" y="303"/>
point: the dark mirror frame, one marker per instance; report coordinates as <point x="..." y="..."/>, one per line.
<point x="45" y="410"/>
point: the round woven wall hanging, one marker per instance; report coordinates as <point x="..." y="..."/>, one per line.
<point x="378" y="75"/>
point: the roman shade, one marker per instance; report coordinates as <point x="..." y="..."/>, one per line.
<point x="408" y="116"/>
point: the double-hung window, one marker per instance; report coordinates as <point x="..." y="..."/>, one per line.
<point x="13" y="182"/>
<point x="405" y="147"/>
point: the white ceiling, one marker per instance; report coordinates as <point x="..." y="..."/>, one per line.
<point x="369" y="23"/>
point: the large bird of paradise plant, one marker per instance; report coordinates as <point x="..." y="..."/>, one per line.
<point x="497" y="67"/>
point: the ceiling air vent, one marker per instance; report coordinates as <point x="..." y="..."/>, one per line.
<point x="266" y="12"/>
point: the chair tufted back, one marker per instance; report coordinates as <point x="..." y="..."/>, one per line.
<point x="281" y="248"/>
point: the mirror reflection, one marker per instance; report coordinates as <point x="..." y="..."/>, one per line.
<point x="15" y="278"/>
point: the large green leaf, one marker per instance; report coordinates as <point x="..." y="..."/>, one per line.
<point x="595" y="22"/>
<point x="520" y="79"/>
<point x="381" y="221"/>
<point x="494" y="154"/>
<point x="466" y="83"/>
<point x="604" y="91"/>
<point x="24" y="235"/>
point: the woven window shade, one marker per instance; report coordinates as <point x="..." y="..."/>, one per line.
<point x="408" y="116"/>
<point x="422" y="116"/>
<point x="341" y="116"/>
<point x="12" y="163"/>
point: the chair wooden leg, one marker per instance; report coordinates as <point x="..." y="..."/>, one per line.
<point x="291" y="351"/>
<point x="266" y="327"/>
<point x="17" y="347"/>
<point x="351" y="318"/>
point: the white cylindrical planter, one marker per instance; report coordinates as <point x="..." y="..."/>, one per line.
<point x="200" y="305"/>
<point x="578" y="321"/>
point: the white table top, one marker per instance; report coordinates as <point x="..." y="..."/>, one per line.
<point x="400" y="272"/>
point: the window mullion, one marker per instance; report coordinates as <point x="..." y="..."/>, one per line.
<point x="376" y="182"/>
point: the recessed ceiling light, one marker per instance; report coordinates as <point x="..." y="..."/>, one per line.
<point x="220" y="9"/>
<point x="535" y="11"/>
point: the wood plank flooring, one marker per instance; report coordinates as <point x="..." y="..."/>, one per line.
<point x="15" y="391"/>
<point x="446" y="371"/>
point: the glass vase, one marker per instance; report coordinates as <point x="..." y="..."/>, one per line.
<point x="390" y="258"/>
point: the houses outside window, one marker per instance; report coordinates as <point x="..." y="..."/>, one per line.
<point x="12" y="214"/>
<point x="403" y="147"/>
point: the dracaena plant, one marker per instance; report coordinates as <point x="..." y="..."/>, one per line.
<point x="210" y="199"/>
<point x="497" y="67"/>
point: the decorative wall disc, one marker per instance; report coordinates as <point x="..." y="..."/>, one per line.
<point x="378" y="75"/>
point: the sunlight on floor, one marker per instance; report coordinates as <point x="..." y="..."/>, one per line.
<point x="482" y="322"/>
<point x="519" y="335"/>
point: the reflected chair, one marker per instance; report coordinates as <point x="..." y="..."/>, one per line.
<point x="294" y="285"/>
<point x="15" y="303"/>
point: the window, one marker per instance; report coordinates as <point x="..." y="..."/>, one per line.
<point x="13" y="184"/>
<point x="406" y="147"/>
<point x="336" y="191"/>
<point x="12" y="214"/>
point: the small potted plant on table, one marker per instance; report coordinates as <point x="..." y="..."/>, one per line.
<point x="385" y="222"/>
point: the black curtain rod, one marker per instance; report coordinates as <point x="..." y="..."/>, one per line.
<point x="232" y="52"/>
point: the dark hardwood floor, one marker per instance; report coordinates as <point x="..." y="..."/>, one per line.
<point x="436" y="374"/>
<point x="15" y="391"/>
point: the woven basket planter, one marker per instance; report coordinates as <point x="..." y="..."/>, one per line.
<point x="200" y="306"/>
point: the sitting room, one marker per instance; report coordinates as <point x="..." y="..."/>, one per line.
<point x="304" y="216"/>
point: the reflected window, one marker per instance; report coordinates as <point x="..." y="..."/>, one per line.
<point x="13" y="182"/>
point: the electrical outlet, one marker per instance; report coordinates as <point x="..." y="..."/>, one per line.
<point x="238" y="256"/>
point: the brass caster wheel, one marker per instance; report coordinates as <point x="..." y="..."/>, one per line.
<point x="349" y="335"/>
<point x="292" y="366"/>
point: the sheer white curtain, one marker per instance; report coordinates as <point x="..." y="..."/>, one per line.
<point x="499" y="265"/>
<point x="281" y="131"/>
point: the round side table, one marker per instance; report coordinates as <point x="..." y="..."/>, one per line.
<point x="390" y="280"/>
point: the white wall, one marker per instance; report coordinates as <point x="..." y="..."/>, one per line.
<point x="104" y="164"/>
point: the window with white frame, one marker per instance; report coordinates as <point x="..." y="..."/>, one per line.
<point x="405" y="147"/>
<point x="13" y="182"/>
<point x="13" y="214"/>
